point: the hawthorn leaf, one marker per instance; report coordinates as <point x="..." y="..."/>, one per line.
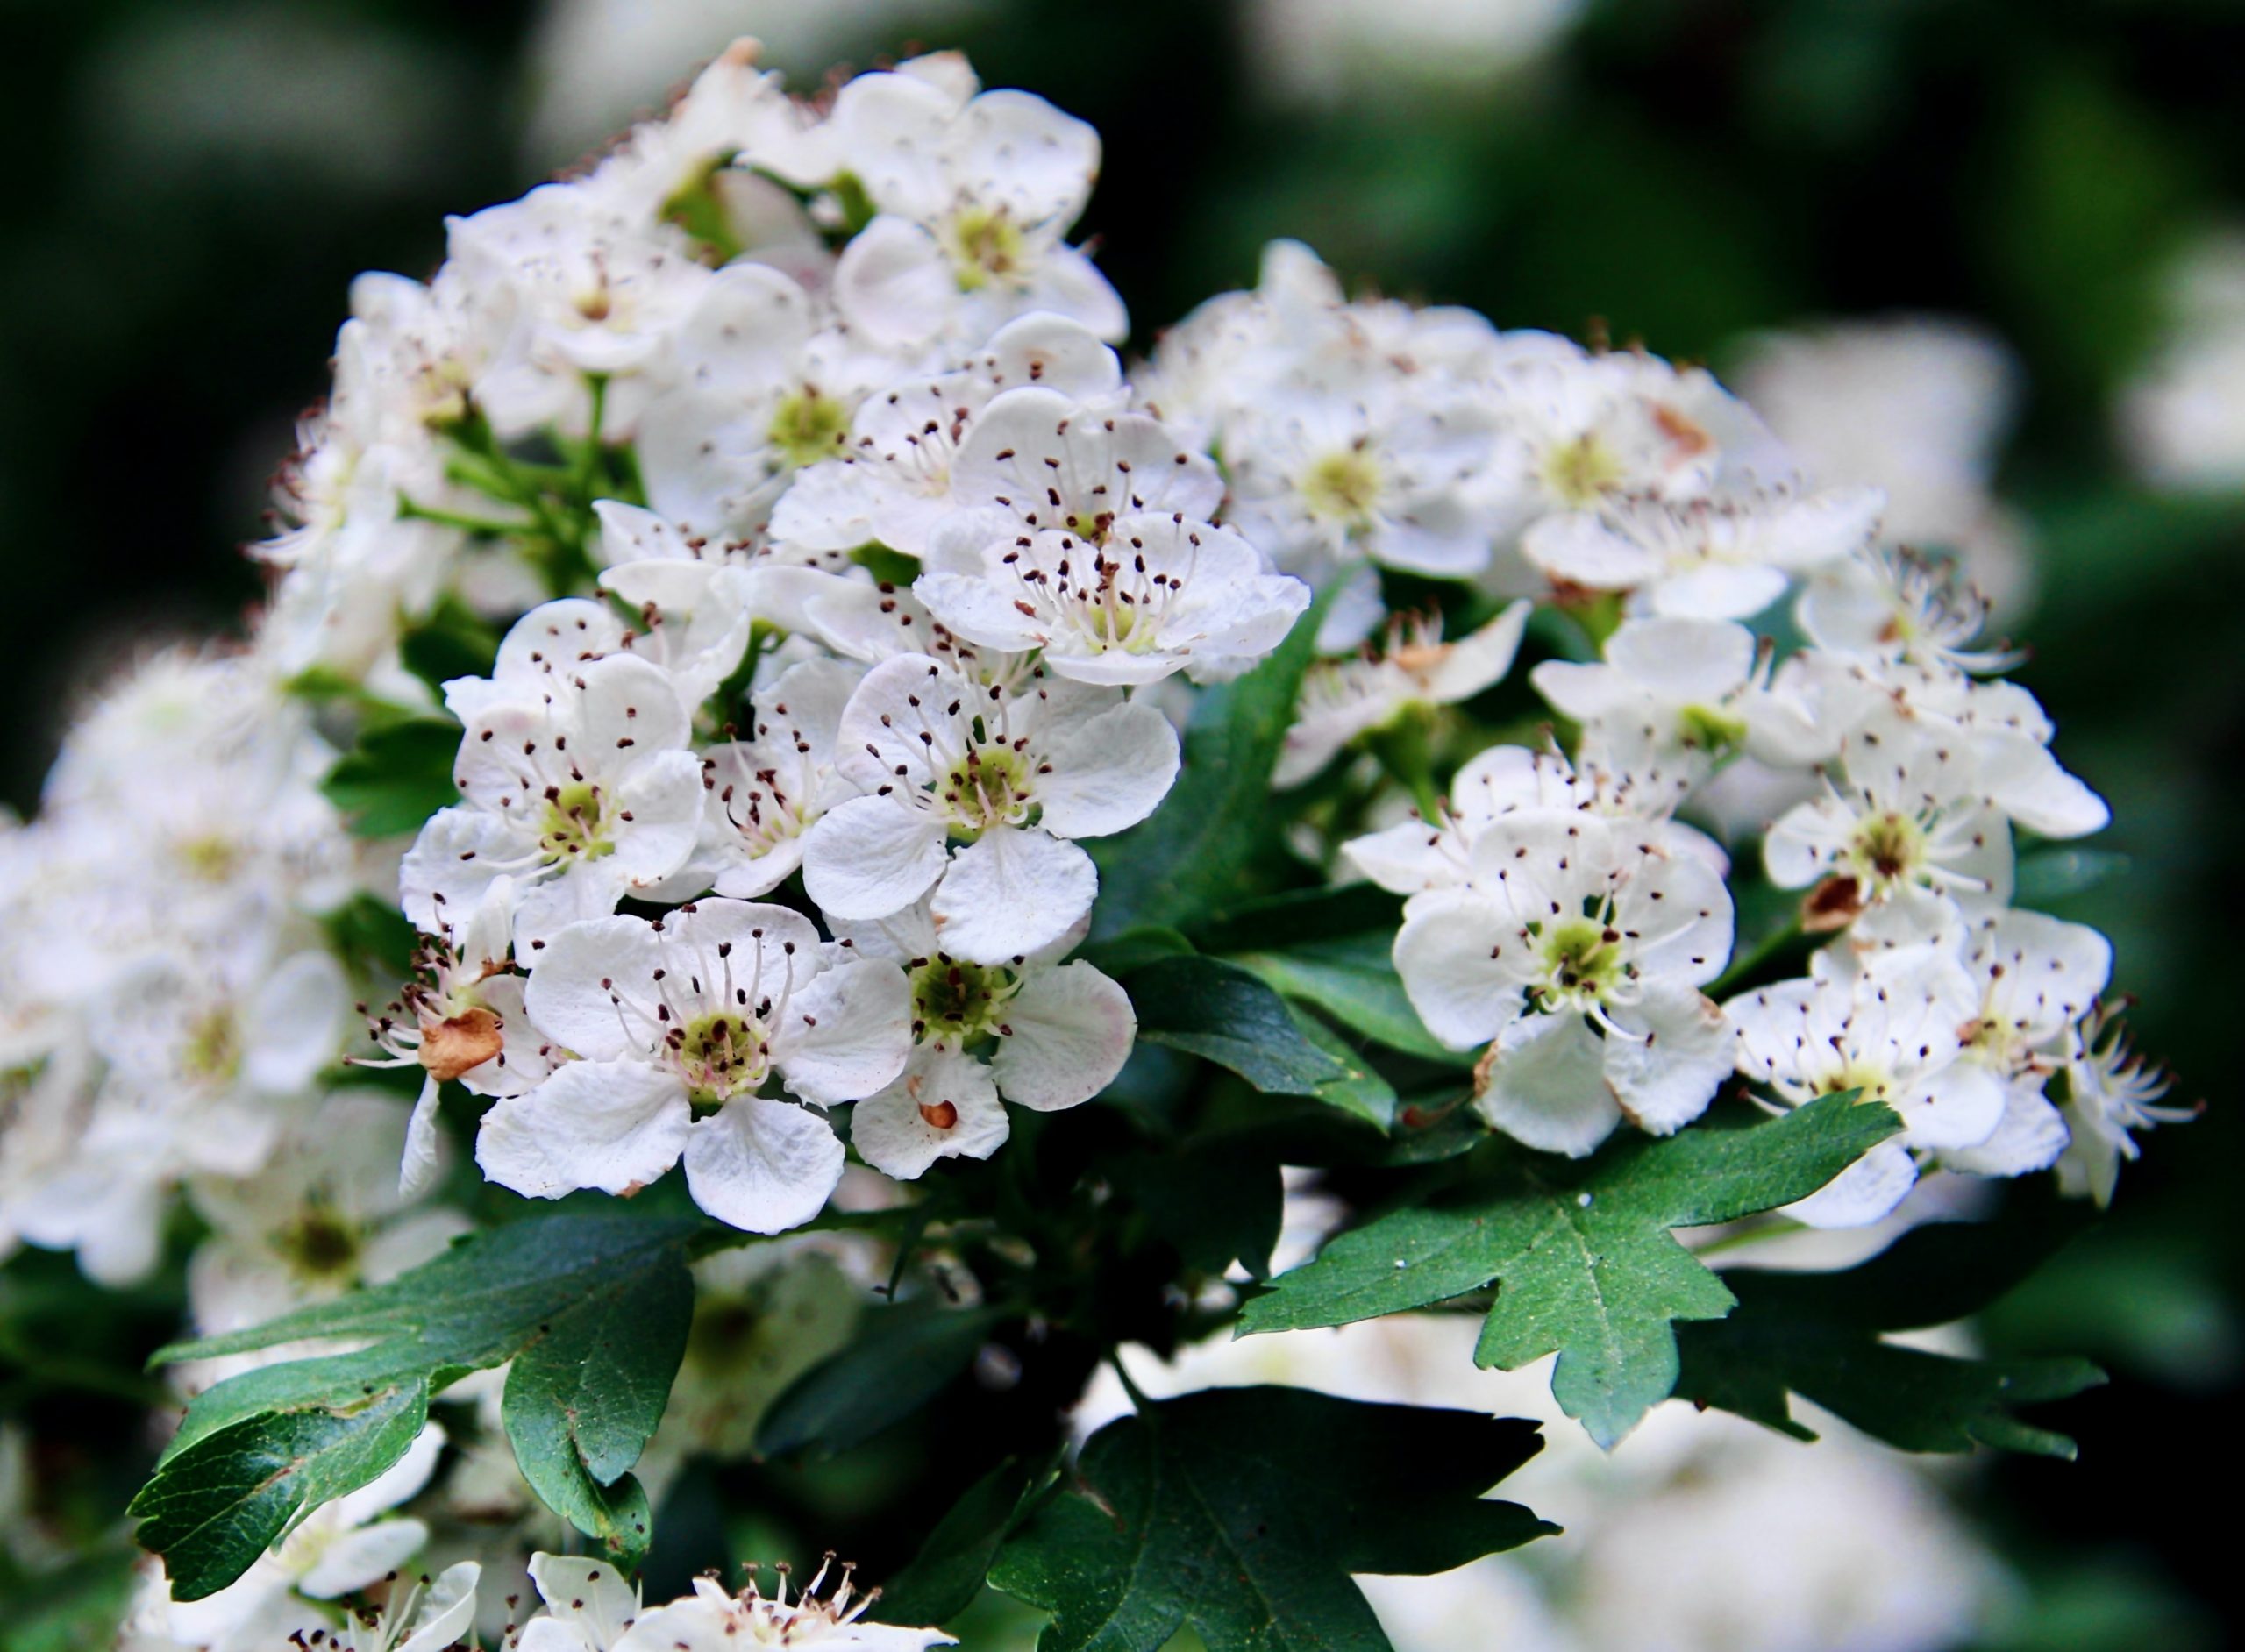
<point x="1581" y="1251"/>
<point x="1821" y="1335"/>
<point x="901" y="1358"/>
<point x="1242" y="1511"/>
<point x="595" y="1306"/>
<point x="942" y="1580"/>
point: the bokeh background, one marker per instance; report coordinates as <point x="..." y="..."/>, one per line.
<point x="194" y="182"/>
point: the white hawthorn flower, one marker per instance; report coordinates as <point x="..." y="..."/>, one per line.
<point x="1909" y="803"/>
<point x="762" y="793"/>
<point x="1384" y="472"/>
<point x="711" y="1620"/>
<point x="682" y="1025"/>
<point x="890" y="482"/>
<point x="1576" y="951"/>
<point x="2038" y="976"/>
<point x="1416" y="855"/>
<point x="1674" y="700"/>
<point x="588" y="1607"/>
<point x="582" y="791"/>
<point x="1891" y="605"/>
<point x="1010" y="772"/>
<point x="1898" y="1038"/>
<point x="766" y="385"/>
<point x="1725" y="558"/>
<point x="461" y="1017"/>
<point x="973" y="195"/>
<point x="1047" y="1034"/>
<point x="593" y="294"/>
<point x="432" y="1614"/>
<point x="324" y="1213"/>
<point x="2110" y="1090"/>
<point x="1599" y="427"/>
<point x="1151" y="595"/>
<point x="336" y="1550"/>
<point x="1415" y="670"/>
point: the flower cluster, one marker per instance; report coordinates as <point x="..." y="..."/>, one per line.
<point x="583" y="1606"/>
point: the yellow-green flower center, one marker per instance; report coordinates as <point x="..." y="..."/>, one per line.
<point x="1886" y="849"/>
<point x="214" y="1047"/>
<point x="992" y="786"/>
<point x="956" y="1003"/>
<point x="722" y="1054"/>
<point x="1710" y="729"/>
<point x="1341" y="487"/>
<point x="319" y="1244"/>
<point x="1582" y="960"/>
<point x="1582" y="472"/>
<point x="809" y="425"/>
<point x="575" y="826"/>
<point x="985" y="245"/>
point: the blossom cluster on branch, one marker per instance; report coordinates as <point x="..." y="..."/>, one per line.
<point x="733" y="610"/>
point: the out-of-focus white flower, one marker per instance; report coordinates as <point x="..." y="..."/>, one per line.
<point x="2182" y="421"/>
<point x="1328" y="50"/>
<point x="1918" y="406"/>
<point x="339" y="1548"/>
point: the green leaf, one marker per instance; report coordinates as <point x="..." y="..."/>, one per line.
<point x="454" y="641"/>
<point x="592" y="1308"/>
<point x="216" y="1505"/>
<point x="901" y="1358"/>
<point x="1359" y="1089"/>
<point x="1819" y="1335"/>
<point x="1223" y="1014"/>
<point x="583" y="1400"/>
<point x="1194" y="853"/>
<point x="1242" y="1511"/>
<point x="1582" y="1252"/>
<point x="942" y="1580"/>
<point x="1281" y="921"/>
<point x="1354" y="979"/>
<point x="1214" y="1202"/>
<point x="398" y="775"/>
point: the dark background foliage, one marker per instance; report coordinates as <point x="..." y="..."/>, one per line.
<point x="193" y="184"/>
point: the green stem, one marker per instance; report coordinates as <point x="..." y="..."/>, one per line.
<point x="1765" y="949"/>
<point x="489" y="526"/>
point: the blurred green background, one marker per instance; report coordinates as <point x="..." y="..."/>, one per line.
<point x="196" y="182"/>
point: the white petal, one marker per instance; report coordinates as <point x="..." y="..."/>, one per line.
<point x="1960" y="1105"/>
<point x="1667" y="1081"/>
<point x="894" y="283"/>
<point x="1012" y="891"/>
<point x="1451" y="954"/>
<point x="762" y="1166"/>
<point x="1689" y="661"/>
<point x="1547" y="1085"/>
<point x="943" y="1106"/>
<point x="294" y="1024"/>
<point x="1581" y="550"/>
<point x="2031" y="1137"/>
<point x="1024" y="152"/>
<point x="1719" y="591"/>
<point x="2028" y="784"/>
<point x="1477" y="660"/>
<point x="846" y="1033"/>
<point x="614" y="1125"/>
<point x="1859" y="1195"/>
<point x="418" y="1170"/>
<point x="353" y="1560"/>
<point x="585" y="1592"/>
<point x="663" y="796"/>
<point x="569" y="995"/>
<point x="445" y="1613"/>
<point x="871" y="857"/>
<point x="1071" y="1031"/>
<point x="1109" y="771"/>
